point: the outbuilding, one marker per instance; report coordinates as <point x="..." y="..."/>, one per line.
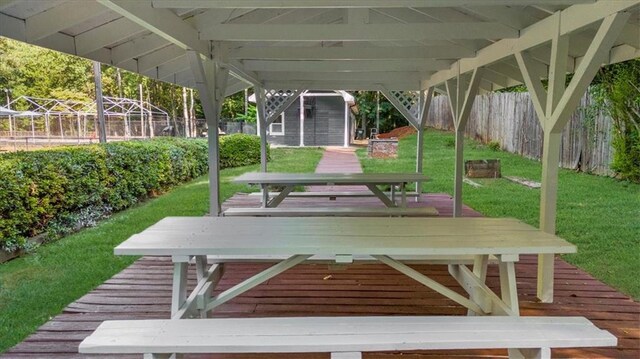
<point x="316" y="118"/>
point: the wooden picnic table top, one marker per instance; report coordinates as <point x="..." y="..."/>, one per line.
<point x="333" y="178"/>
<point x="182" y="236"/>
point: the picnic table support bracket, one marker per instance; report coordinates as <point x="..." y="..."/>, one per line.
<point x="188" y="307"/>
<point x="508" y="288"/>
<point x="255" y="280"/>
<point x="472" y="285"/>
<point x="426" y="281"/>
<point x="265" y="195"/>
<point x="274" y="202"/>
<point x="480" y="264"/>
<point x="376" y="191"/>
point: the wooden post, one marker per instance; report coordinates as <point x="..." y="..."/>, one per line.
<point x="424" y="112"/>
<point x="461" y="97"/>
<point x="211" y="81"/>
<point x="262" y="126"/>
<point x="554" y="108"/>
<point x="301" y="120"/>
<point x="97" y="79"/>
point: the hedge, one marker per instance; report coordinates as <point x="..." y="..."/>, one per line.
<point x="41" y="190"/>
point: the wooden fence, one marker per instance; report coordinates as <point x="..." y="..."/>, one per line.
<point x="510" y="119"/>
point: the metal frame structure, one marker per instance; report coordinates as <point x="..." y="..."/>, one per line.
<point x="84" y="114"/>
<point x="455" y="47"/>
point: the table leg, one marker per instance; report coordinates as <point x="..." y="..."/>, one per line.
<point x="179" y="290"/>
<point x="265" y="195"/>
<point x="480" y="264"/>
<point x="403" y="189"/>
<point x="393" y="193"/>
<point x="508" y="287"/>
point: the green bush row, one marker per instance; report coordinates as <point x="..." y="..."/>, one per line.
<point x="39" y="189"/>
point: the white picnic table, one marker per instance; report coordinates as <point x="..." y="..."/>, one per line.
<point x="345" y="240"/>
<point x="371" y="180"/>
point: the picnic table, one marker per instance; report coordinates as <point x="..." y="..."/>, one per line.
<point x="371" y="180"/>
<point x="493" y="321"/>
<point x="346" y="240"/>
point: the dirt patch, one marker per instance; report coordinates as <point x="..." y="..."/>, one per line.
<point x="399" y="132"/>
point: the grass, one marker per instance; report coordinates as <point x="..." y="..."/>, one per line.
<point x="38" y="286"/>
<point x="600" y="215"/>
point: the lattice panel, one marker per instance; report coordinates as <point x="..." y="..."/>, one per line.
<point x="275" y="99"/>
<point x="410" y="100"/>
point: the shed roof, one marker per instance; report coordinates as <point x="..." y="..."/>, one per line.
<point x="330" y="44"/>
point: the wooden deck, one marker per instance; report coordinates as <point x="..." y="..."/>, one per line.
<point x="143" y="291"/>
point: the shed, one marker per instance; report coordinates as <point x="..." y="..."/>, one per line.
<point x="317" y="118"/>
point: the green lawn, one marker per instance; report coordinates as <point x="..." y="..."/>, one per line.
<point x="36" y="287"/>
<point x="600" y="215"/>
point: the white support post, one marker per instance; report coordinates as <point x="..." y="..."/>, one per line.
<point x="211" y="81"/>
<point x="346" y="124"/>
<point x="554" y="109"/>
<point x="262" y="125"/>
<point x="424" y="111"/>
<point x="461" y="97"/>
<point x="301" y="120"/>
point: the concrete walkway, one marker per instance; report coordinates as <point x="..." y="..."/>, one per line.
<point x="338" y="160"/>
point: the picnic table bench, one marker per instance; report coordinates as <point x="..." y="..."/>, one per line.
<point x="333" y="212"/>
<point x="371" y="180"/>
<point x="343" y="337"/>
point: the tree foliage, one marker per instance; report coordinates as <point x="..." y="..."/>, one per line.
<point x="37" y="72"/>
<point x="390" y="118"/>
<point x="616" y="90"/>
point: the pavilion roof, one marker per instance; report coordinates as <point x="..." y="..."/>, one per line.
<point x="323" y="45"/>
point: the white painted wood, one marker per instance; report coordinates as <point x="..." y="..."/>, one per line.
<point x="334" y="211"/>
<point x="341" y="334"/>
<point x="179" y="289"/>
<point x="428" y="282"/>
<point x="107" y="34"/>
<point x="199" y="296"/>
<point x="357" y="32"/>
<point x="346" y="355"/>
<point x="573" y="18"/>
<point x="60" y="17"/>
<point x="211" y="82"/>
<point x="330" y="259"/>
<point x="346" y="53"/>
<point x="255" y="280"/>
<point x="332" y="194"/>
<point x="275" y="201"/>
<point x="262" y="131"/>
<point x="328" y="178"/>
<point x="289" y="236"/>
<point x="508" y="288"/>
<point x="353" y="4"/>
<point x="421" y="65"/>
<point x="388" y="201"/>
<point x="479" y="291"/>
<point x="424" y="111"/>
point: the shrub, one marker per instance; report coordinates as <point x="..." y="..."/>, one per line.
<point x="239" y="150"/>
<point x="43" y="191"/>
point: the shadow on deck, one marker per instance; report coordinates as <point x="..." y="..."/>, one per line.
<point x="143" y="290"/>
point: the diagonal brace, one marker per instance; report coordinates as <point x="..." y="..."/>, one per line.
<point x="423" y="279"/>
<point x="256" y="280"/>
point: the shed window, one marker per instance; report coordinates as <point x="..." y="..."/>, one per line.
<point x="277" y="126"/>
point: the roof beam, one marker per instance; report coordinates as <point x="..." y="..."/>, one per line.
<point x="343" y="85"/>
<point x="105" y="35"/>
<point x="573" y="18"/>
<point x="137" y="47"/>
<point x="351" y="76"/>
<point x="159" y="21"/>
<point x="347" y="66"/>
<point x="358" y="32"/>
<point x="61" y="17"/>
<point x="159" y="57"/>
<point x="252" y="4"/>
<point x="344" y="53"/>
<point x="169" y="26"/>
